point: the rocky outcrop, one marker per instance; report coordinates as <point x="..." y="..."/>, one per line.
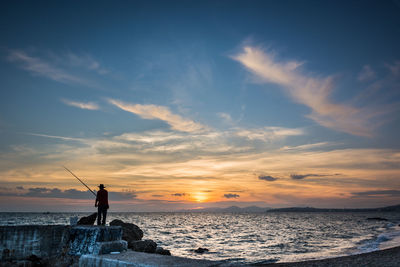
<point x="201" y="250"/>
<point x="131" y="232"/>
<point x="162" y="251"/>
<point x="133" y="235"/>
<point x="148" y="246"/>
<point x="88" y="220"/>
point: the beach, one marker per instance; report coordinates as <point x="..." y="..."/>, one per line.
<point x="383" y="258"/>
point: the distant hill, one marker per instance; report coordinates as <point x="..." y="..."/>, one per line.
<point x="232" y="209"/>
<point x="309" y="209"/>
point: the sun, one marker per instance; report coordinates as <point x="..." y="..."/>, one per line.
<point x="200" y="196"/>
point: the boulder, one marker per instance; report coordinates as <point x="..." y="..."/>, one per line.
<point x="148" y="246"/>
<point x="88" y="220"/>
<point x="161" y="251"/>
<point x="130" y="231"/>
<point x="201" y="250"/>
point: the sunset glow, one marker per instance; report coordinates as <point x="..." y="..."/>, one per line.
<point x="180" y="105"/>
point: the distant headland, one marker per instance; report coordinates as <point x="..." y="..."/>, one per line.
<point x="310" y="209"/>
<point x="256" y="209"/>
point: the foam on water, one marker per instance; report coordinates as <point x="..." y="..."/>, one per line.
<point x="388" y="239"/>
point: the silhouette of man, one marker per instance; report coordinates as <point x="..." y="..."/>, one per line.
<point x="102" y="205"/>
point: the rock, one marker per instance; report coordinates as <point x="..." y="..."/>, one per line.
<point x="89" y="220"/>
<point x="131" y="232"/>
<point x="148" y="246"/>
<point x="377" y="219"/>
<point x="201" y="250"/>
<point x="161" y="251"/>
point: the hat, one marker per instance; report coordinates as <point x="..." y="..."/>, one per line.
<point x="101" y="186"/>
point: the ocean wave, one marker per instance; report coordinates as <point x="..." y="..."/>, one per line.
<point x="384" y="240"/>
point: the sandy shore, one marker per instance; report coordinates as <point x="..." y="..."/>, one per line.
<point x="382" y="258"/>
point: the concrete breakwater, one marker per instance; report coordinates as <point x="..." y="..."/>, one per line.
<point x="83" y="246"/>
<point x="21" y="243"/>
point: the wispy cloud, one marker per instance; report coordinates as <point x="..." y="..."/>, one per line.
<point x="307" y="90"/>
<point x="377" y="193"/>
<point x="366" y="74"/>
<point x="269" y="133"/>
<point x="302" y="176"/>
<point x="151" y="137"/>
<point x="57" y="137"/>
<point x="394" y="68"/>
<point x="86" y="61"/>
<point x="163" y="113"/>
<point x="267" y="178"/>
<point x="230" y="195"/>
<point x="67" y="68"/>
<point x="81" y="105"/>
<point x="41" y="67"/>
<point x="225" y="117"/>
<point x="309" y="146"/>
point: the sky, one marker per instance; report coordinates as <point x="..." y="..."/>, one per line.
<point x="194" y="104"/>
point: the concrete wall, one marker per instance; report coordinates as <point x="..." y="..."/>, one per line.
<point x="87" y="239"/>
<point x="44" y="241"/>
<point x="20" y="242"/>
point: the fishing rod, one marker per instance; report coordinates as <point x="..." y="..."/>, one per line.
<point x="80" y="181"/>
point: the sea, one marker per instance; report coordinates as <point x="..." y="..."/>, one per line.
<point x="251" y="238"/>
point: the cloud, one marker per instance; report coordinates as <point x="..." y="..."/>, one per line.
<point x="86" y="61"/>
<point x="152" y="137"/>
<point x="163" y="113"/>
<point x="57" y="137"/>
<point x="366" y="74"/>
<point x="225" y="116"/>
<point x="230" y="195"/>
<point x="307" y="90"/>
<point x="191" y="173"/>
<point x="267" y="178"/>
<point x="82" y="105"/>
<point x="394" y="69"/>
<point x="309" y="146"/>
<point x="269" y="133"/>
<point x="44" y="192"/>
<point x="377" y="193"/>
<point x="178" y="194"/>
<point x="302" y="176"/>
<point x="41" y="67"/>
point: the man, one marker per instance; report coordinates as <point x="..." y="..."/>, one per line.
<point x="102" y="205"/>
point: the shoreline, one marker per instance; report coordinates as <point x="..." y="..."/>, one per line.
<point x="389" y="257"/>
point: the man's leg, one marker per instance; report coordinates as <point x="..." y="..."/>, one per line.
<point x="104" y="215"/>
<point x="98" y="215"/>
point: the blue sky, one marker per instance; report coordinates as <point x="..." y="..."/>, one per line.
<point x="180" y="104"/>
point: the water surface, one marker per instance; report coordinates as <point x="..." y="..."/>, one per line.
<point x="251" y="237"/>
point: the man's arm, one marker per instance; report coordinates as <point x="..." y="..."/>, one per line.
<point x="95" y="203"/>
